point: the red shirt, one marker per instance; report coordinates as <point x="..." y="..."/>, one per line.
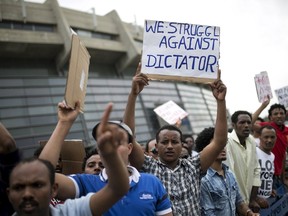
<point x="280" y="146"/>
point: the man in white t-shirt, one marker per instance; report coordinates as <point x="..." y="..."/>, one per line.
<point x="266" y="160"/>
<point x="32" y="182"/>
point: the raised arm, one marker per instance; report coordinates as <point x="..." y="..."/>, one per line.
<point x="210" y="152"/>
<point x="9" y="157"/>
<point x="66" y="118"/>
<point x="109" y="137"/>
<point x="256" y="114"/>
<point x="51" y="151"/>
<point x="139" y="81"/>
<point x="7" y="142"/>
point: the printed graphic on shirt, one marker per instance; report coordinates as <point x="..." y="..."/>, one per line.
<point x="266" y="176"/>
<point x="146" y="196"/>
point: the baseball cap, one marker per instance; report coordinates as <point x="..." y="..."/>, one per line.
<point x="120" y="124"/>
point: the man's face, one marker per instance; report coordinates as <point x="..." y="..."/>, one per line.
<point x="59" y="166"/>
<point x="278" y="116"/>
<point x="267" y="139"/>
<point x="222" y="155"/>
<point x="169" y="146"/>
<point x="190" y="142"/>
<point x="30" y="189"/>
<point x="125" y="148"/>
<point x="243" y="126"/>
<point x="94" y="165"/>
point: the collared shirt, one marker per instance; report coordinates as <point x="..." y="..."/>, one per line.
<point x="219" y="195"/>
<point x="146" y="196"/>
<point x="182" y="183"/>
<point x="243" y="162"/>
<point x="280" y="147"/>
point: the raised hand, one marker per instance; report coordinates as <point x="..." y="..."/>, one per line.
<point x="109" y="136"/>
<point x="139" y="81"/>
<point x="219" y="90"/>
<point x="66" y="113"/>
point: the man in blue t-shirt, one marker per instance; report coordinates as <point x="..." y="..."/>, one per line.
<point x="147" y="195"/>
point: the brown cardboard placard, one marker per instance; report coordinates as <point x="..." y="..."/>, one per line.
<point x="78" y="74"/>
<point x="72" y="155"/>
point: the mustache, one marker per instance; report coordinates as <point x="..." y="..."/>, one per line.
<point x="28" y="202"/>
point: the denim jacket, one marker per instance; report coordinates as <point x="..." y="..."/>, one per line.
<point x="219" y="195"/>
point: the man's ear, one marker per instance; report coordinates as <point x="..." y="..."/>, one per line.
<point x="54" y="190"/>
<point x="130" y="146"/>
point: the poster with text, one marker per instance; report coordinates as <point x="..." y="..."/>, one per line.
<point x="170" y="112"/>
<point x="180" y="51"/>
<point x="263" y="87"/>
<point x="282" y="96"/>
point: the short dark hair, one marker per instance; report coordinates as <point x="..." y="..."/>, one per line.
<point x="260" y="119"/>
<point x="276" y="106"/>
<point x="168" y="127"/>
<point x="48" y="164"/>
<point x="87" y="156"/>
<point x="185" y="136"/>
<point x="267" y="127"/>
<point x="234" y="117"/>
<point x="204" y="138"/>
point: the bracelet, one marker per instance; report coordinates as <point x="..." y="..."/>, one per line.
<point x="247" y="212"/>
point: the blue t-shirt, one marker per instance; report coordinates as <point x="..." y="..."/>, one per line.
<point x="146" y="196"/>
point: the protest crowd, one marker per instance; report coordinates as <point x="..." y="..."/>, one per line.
<point x="224" y="171"/>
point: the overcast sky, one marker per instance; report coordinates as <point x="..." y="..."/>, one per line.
<point x="254" y="37"/>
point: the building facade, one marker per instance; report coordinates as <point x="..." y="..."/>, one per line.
<point x="35" y="44"/>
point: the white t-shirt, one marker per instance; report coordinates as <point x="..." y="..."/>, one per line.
<point x="267" y="171"/>
<point x="79" y="206"/>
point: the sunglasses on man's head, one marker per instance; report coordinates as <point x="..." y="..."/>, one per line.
<point x="154" y="151"/>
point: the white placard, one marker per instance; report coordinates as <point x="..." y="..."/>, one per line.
<point x="180" y="50"/>
<point x="282" y="95"/>
<point x="170" y="112"/>
<point x="263" y="87"/>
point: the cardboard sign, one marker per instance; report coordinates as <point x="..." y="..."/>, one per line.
<point x="282" y="95"/>
<point x="170" y="112"/>
<point x="78" y="74"/>
<point x="180" y="51"/>
<point x="72" y="155"/>
<point x="263" y="87"/>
